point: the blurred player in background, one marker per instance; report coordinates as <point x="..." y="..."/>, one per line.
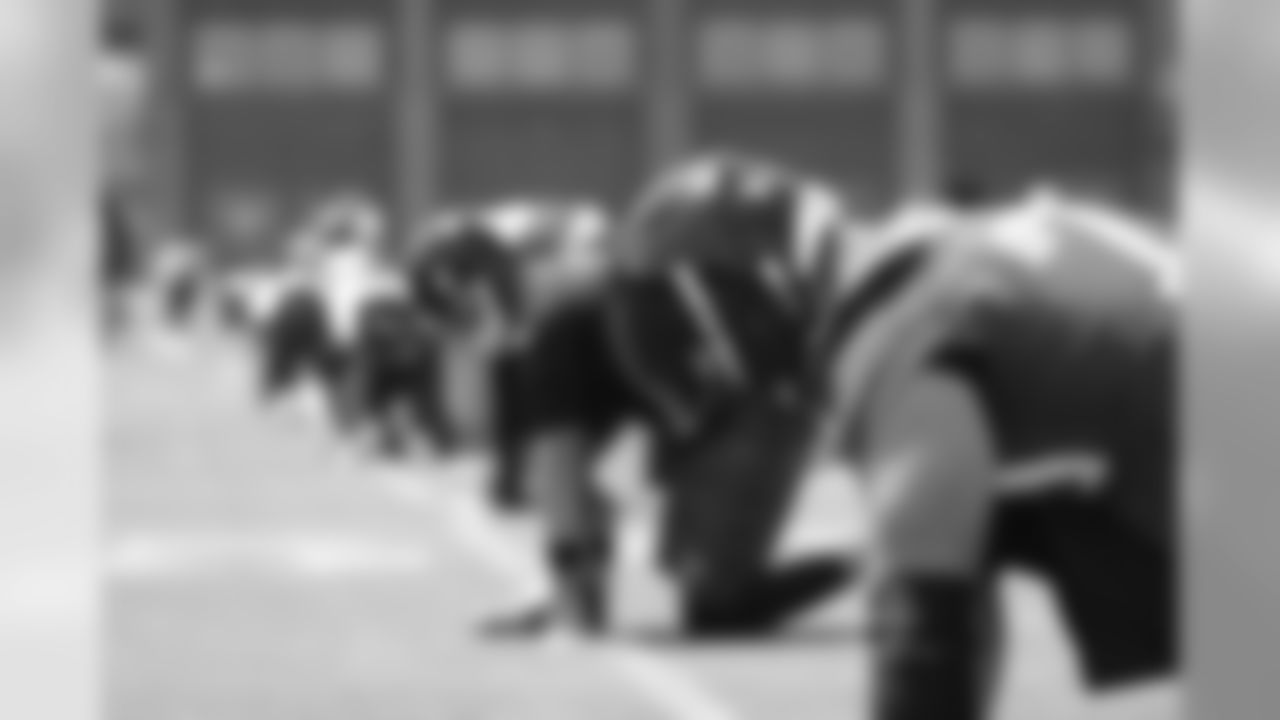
<point x="350" y="322"/>
<point x="331" y="270"/>
<point x="490" y="274"/>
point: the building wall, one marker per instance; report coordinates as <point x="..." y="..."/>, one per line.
<point x="278" y="102"/>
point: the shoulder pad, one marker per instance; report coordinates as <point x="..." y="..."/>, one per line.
<point x="705" y="177"/>
<point x="512" y="222"/>
<point x="921" y="218"/>
<point x="1131" y="237"/>
<point x="696" y="178"/>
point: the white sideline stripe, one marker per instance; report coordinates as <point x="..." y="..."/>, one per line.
<point x="153" y="555"/>
<point x="662" y="682"/>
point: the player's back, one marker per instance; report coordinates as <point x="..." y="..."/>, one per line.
<point x="1083" y="266"/>
<point x="1060" y="316"/>
<point x="1066" y="326"/>
<point x="1072" y="347"/>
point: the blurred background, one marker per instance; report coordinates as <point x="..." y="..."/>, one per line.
<point x="231" y="116"/>
<point x="228" y="118"/>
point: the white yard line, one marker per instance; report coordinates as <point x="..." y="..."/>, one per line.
<point x="313" y="556"/>
<point x="672" y="689"/>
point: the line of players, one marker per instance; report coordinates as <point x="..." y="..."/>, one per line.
<point x="996" y="377"/>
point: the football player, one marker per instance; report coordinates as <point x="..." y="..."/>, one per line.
<point x="1003" y="381"/>
<point x="697" y="330"/>
<point x="385" y="345"/>
<point x="488" y="274"/>
<point x="333" y="273"/>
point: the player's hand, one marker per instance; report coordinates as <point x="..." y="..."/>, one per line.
<point x="547" y="621"/>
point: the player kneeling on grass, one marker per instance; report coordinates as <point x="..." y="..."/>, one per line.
<point x="489" y="274"/>
<point x="1003" y="383"/>
<point x="698" y="329"/>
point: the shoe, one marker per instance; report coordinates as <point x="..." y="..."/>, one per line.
<point x="544" y="621"/>
<point x="765" y="604"/>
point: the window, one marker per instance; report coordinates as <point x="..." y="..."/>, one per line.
<point x="607" y="56"/>
<point x="243" y="214"/>
<point x="1105" y="52"/>
<point x="1041" y="53"/>
<point x="540" y="56"/>
<point x="223" y="58"/>
<point x="285" y="55"/>
<point x="737" y="55"/>
<point x="537" y="57"/>
<point x="856" y="53"/>
<point x="351" y="56"/>
<point x="476" y="57"/>
<point x="725" y="54"/>
<point x="1038" y="53"/>
<point x="977" y="53"/>
<point x="288" y="56"/>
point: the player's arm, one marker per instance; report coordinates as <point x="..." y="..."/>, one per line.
<point x="568" y="402"/>
<point x="921" y="442"/>
<point x="931" y="469"/>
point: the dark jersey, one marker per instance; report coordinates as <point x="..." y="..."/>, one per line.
<point x="1067" y="333"/>
<point x="443" y="274"/>
<point x="569" y="375"/>
<point x="296" y="343"/>
<point x="1063" y="324"/>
